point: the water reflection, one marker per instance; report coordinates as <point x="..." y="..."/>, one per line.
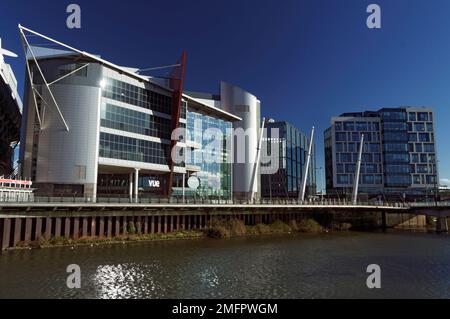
<point x="127" y="281"/>
<point x="330" y="266"/>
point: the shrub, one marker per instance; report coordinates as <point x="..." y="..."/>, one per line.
<point x="279" y="227"/>
<point x="262" y="229"/>
<point x="218" y="232"/>
<point x="237" y="227"/>
<point x="293" y="225"/>
<point x="309" y="226"/>
<point x="57" y="241"/>
<point x="341" y="226"/>
<point x="131" y="229"/>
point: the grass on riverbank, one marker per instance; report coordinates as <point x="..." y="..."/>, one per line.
<point x="130" y="237"/>
<point x="225" y="229"/>
<point x="220" y="228"/>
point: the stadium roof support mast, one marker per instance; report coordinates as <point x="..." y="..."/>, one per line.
<point x="358" y="172"/>
<point x="27" y="48"/>
<point x="305" y="173"/>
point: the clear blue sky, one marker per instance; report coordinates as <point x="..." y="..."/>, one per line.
<point x="307" y="60"/>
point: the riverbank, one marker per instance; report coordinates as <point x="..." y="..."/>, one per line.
<point x="219" y="229"/>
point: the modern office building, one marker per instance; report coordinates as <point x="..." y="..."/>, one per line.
<point x="245" y="139"/>
<point x="285" y="146"/>
<point x="95" y="129"/>
<point x="399" y="153"/>
<point x="10" y="115"/>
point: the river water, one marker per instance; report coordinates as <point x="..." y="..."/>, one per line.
<point x="413" y="265"/>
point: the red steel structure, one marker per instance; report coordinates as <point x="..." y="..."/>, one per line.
<point x="176" y="82"/>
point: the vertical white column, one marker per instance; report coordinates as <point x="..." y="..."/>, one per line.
<point x="131" y="187"/>
<point x="305" y="173"/>
<point x="184" y="188"/>
<point x="358" y="172"/>
<point x="136" y="185"/>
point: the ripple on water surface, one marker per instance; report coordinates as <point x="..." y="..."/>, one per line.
<point x="329" y="266"/>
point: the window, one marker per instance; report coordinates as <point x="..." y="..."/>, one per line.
<point x="377" y="158"/>
<point x="350" y="168"/>
<point x="128" y="120"/>
<point x="396" y="137"/>
<point x="419" y="148"/>
<point x="361" y="126"/>
<point x="378" y="179"/>
<point x="338" y="126"/>
<point x="396" y="147"/>
<point x="419" y="127"/>
<point x="375" y="148"/>
<point x="412" y="137"/>
<point x="342" y="179"/>
<point x="423" y="158"/>
<point x="349" y="126"/>
<point x="395" y="126"/>
<point x="134" y="95"/>
<point x="376" y="126"/>
<point x="68" y="68"/>
<point x="416" y="179"/>
<point x="351" y="147"/>
<point x="423" y="116"/>
<point x="340" y="168"/>
<point x="367" y="179"/>
<point x="431" y="179"/>
<point x="424" y="137"/>
<point x="341" y="136"/>
<point x="422" y="169"/>
<point x="371" y="168"/>
<point x="430" y="127"/>
<point x="398" y="180"/>
<point x="367" y="157"/>
<point x="397" y="158"/>
<point x="429" y="148"/>
<point x="394" y="115"/>
<point x="346" y="158"/>
<point x="431" y="158"/>
<point x="412" y="116"/>
<point x="398" y="169"/>
<point x="415" y="158"/>
<point x="339" y="147"/>
<point x="130" y="149"/>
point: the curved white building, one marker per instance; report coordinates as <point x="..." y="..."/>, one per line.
<point x="247" y="106"/>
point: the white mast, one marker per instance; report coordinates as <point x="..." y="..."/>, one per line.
<point x="306" y="171"/>
<point x="358" y="172"/>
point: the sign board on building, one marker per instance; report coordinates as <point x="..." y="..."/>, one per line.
<point x="194" y="182"/>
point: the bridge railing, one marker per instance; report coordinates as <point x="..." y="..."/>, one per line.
<point x="429" y="204"/>
<point x="210" y="201"/>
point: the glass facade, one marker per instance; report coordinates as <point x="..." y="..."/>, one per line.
<point x="131" y="149"/>
<point x="124" y="119"/>
<point x="397" y="172"/>
<point x="399" y="152"/>
<point x="210" y="161"/>
<point x="348" y="139"/>
<point x="134" y="95"/>
<point x="293" y="150"/>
